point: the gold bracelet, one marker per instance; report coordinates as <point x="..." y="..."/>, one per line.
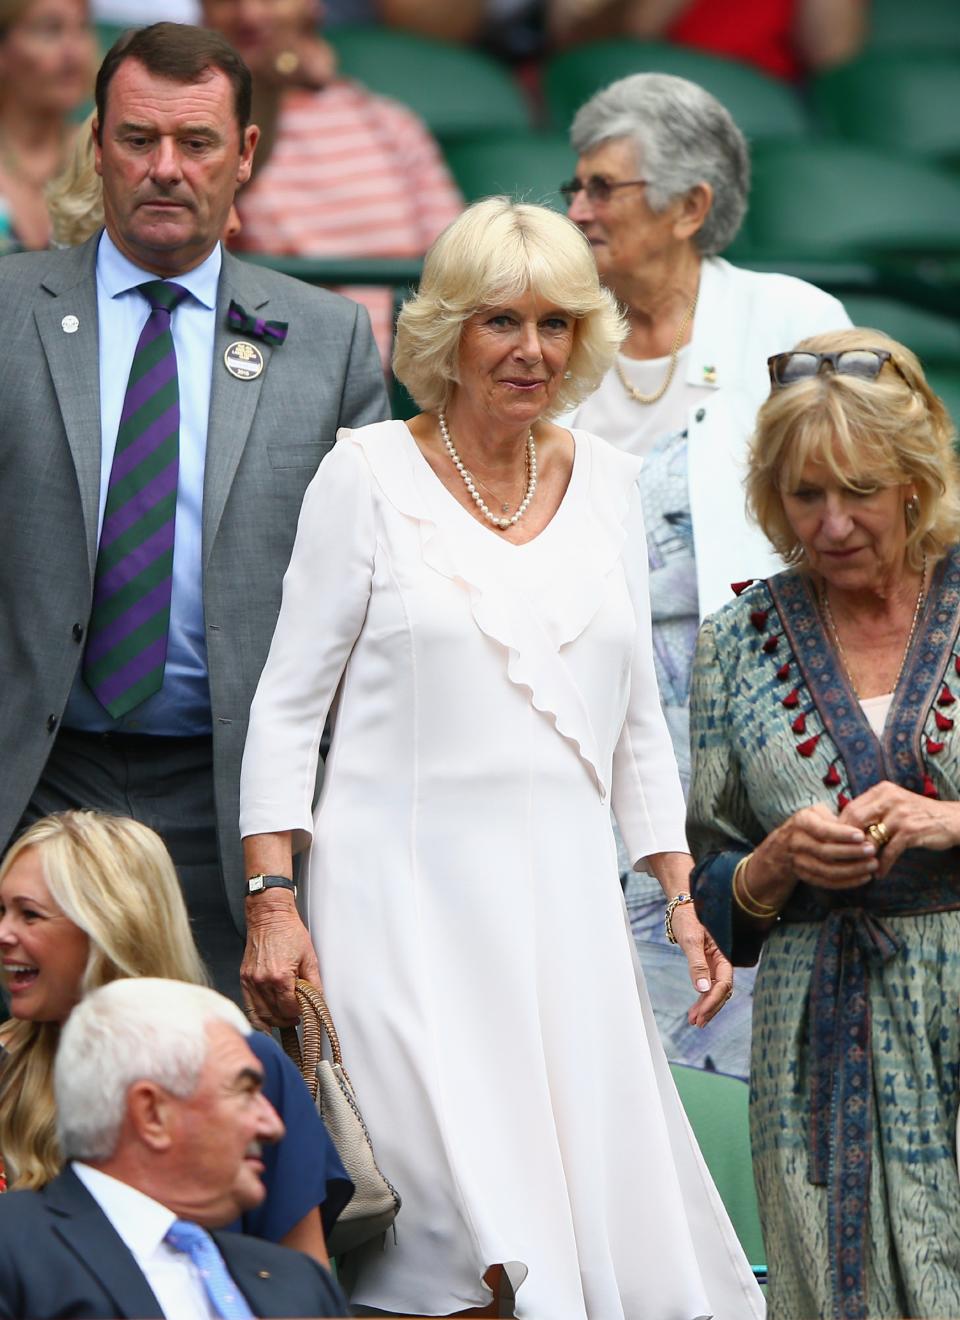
<point x="744" y="900"/>
<point x="672" y="906"/>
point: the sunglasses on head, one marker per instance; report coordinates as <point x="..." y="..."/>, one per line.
<point x="597" y="188"/>
<point x="801" y="364"/>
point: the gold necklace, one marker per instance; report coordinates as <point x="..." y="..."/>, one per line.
<point x="828" y="616"/>
<point x="504" y="504"/>
<point x="637" y="395"/>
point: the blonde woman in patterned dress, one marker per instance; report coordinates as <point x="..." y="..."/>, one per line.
<point x="825" y="821"/>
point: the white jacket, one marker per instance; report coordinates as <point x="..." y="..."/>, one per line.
<point x="742" y="318"/>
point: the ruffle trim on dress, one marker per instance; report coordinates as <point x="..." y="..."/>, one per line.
<point x="531" y="629"/>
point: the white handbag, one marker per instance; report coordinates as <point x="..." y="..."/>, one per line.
<point x="375" y="1201"/>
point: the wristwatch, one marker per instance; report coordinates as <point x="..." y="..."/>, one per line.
<point x="258" y="882"/>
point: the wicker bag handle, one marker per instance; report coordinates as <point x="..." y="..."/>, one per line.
<point x="316" y="1023"/>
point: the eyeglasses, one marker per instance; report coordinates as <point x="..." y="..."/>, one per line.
<point x="864" y="363"/>
<point x="597" y="188"/>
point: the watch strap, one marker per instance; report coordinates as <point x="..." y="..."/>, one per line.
<point x="257" y="883"/>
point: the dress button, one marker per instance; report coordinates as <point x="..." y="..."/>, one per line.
<point x="51" y="723"/>
<point x="700" y="414"/>
<point x="78" y="632"/>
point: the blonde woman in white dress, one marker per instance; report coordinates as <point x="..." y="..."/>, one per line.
<point x="468" y="594"/>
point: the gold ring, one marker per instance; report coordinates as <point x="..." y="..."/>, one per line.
<point x="879" y="834"/>
<point x="286" y="63"/>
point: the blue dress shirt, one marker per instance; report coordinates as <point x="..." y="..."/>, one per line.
<point x="182" y="706"/>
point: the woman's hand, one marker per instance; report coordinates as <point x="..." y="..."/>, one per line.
<point x="710" y="972"/>
<point x="909" y="820"/>
<point x="813" y="845"/>
<point x="278" y="953"/>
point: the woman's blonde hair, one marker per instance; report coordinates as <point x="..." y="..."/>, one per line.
<point x="113" y="878"/>
<point x="494" y="252"/>
<point x="889" y="431"/>
<point x="75" y="196"/>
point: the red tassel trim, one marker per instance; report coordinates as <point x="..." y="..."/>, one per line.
<point x="792" y="699"/>
<point x="934" y="747"/>
<point x="929" y="788"/>
<point x="944" y="722"/>
<point x="842" y="800"/>
<point x="770" y="645"/>
<point x="832" y="777"/>
<point x="784" y="672"/>
<point x="799" y="725"/>
<point x="759" y="619"/>
<point x="807" y="748"/>
<point x="738" y="588"/>
<point x="946" y="697"/>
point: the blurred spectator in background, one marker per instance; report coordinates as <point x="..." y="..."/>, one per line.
<point x="340" y="172"/>
<point x="786" y="38"/>
<point x="47" y="61"/>
<point x="661" y="189"/>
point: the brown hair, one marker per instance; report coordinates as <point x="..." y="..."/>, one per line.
<point x="182" y="53"/>
<point x="893" y="429"/>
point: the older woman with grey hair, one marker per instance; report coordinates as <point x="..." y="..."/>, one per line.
<point x="660" y="191"/>
<point x="470" y="588"/>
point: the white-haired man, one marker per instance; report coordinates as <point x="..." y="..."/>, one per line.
<point x="161" y="1120"/>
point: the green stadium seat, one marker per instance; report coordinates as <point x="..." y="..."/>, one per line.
<point x="840" y="201"/>
<point x="934" y="338"/>
<point x="528" y="167"/>
<point x="107" y="34"/>
<point x="717" y="1107"/>
<point x="899" y="102"/>
<point x="459" y="92"/>
<point x="932" y="25"/>
<point x="762" y="106"/>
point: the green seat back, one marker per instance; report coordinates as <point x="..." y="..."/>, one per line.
<point x="459" y="92"/>
<point x="934" y="338"/>
<point x="529" y="167"/>
<point x="835" y="200"/>
<point x="918" y="25"/>
<point x="717" y="1107"/>
<point x="762" y="106"/>
<point x="899" y="102"/>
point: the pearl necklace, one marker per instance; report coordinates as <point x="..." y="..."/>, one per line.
<point x="637" y="395"/>
<point x="501" y="523"/>
<point x="828" y="615"/>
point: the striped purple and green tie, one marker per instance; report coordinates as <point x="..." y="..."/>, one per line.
<point x="127" y="637"/>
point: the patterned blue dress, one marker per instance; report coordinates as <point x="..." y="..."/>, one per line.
<point x="855" y="1071"/>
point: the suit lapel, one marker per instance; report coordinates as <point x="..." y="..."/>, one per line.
<point x="86" y="1230"/>
<point x="233" y="402"/>
<point x="73" y="360"/>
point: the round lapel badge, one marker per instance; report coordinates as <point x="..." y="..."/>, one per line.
<point x="243" y="360"/>
<point x="70" y="325"/>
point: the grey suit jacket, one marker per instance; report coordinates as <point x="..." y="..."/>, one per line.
<point x="265" y="439"/>
<point x="61" y="1256"/>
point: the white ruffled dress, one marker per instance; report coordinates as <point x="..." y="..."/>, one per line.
<point x="462" y="890"/>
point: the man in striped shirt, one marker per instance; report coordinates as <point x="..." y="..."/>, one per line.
<point x="345" y="173"/>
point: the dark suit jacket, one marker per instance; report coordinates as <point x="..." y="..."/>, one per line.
<point x="61" y="1257"/>
<point x="265" y="440"/>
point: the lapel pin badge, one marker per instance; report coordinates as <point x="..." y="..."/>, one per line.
<point x="243" y="360"/>
<point x="70" y="325"/>
<point x="709" y="375"/>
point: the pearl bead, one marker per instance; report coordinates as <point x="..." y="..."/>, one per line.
<point x="492" y="518"/>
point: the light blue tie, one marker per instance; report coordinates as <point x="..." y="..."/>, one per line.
<point x="196" y="1242"/>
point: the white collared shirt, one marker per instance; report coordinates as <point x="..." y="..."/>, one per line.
<point x="142" y="1224"/>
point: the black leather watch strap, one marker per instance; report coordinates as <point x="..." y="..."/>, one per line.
<point x="257" y="883"/>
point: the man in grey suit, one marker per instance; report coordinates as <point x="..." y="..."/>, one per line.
<point x="163" y="407"/>
<point x="161" y="1119"/>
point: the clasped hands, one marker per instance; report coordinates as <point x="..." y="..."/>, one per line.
<point x="860" y="843"/>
